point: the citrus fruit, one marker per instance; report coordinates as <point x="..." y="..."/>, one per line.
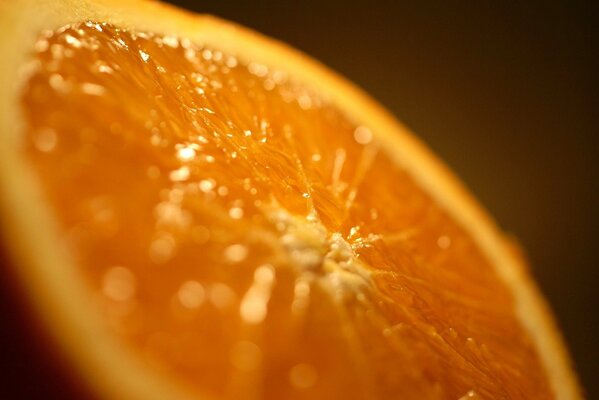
<point x="192" y="210"/>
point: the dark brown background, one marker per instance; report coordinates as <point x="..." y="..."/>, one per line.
<point x="504" y="92"/>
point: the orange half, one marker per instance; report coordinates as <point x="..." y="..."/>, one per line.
<point x="195" y="211"/>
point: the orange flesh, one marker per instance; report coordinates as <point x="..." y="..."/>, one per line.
<point x="244" y="236"/>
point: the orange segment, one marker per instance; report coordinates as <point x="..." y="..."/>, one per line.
<point x="217" y="207"/>
<point x="233" y="221"/>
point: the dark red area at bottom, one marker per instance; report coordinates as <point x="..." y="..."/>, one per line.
<point x="29" y="366"/>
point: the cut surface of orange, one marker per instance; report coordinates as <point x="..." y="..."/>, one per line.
<point x="198" y="212"/>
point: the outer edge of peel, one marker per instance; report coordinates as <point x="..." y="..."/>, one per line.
<point x="30" y="230"/>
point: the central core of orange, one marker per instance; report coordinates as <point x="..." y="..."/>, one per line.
<point x="245" y="236"/>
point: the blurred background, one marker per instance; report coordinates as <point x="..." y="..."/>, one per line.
<point x="505" y="92"/>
